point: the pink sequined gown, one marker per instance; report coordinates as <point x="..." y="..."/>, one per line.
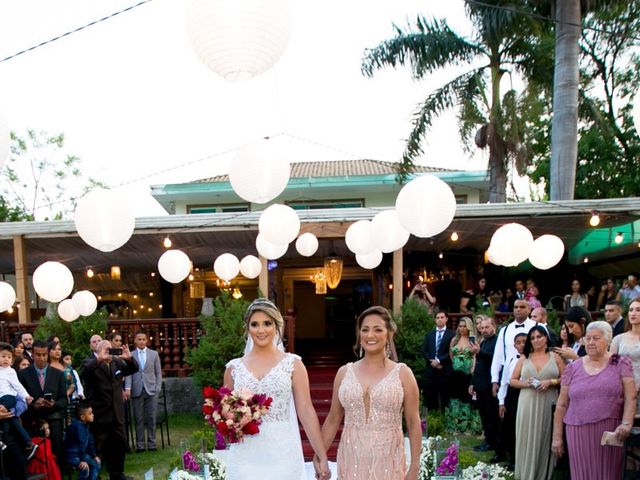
<point x="372" y="448"/>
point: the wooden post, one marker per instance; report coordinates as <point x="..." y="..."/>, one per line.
<point x="22" y="276"/>
<point x="263" y="279"/>
<point x="397" y="281"/>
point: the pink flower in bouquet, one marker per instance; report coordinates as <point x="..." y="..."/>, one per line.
<point x="449" y="463"/>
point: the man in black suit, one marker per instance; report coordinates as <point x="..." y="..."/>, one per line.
<point x="40" y="380"/>
<point x="481" y="386"/>
<point x="435" y="350"/>
<point x="27" y="340"/>
<point x="102" y="376"/>
<point x="613" y="315"/>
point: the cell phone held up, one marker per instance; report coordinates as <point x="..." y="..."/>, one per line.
<point x="472" y="339"/>
<point x="115" y="351"/>
<point x="48" y="396"/>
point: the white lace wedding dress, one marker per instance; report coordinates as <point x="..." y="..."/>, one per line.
<point x="276" y="452"/>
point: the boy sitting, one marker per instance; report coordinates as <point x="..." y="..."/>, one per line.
<point x="79" y="448"/>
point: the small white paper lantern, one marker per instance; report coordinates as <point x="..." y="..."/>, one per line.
<point x="369" y="260"/>
<point x="279" y="224"/>
<point x="226" y="266"/>
<point x="426" y="206"/>
<point x="386" y="232"/>
<point x="546" y="252"/>
<point x="5" y="139"/>
<point x="104" y="219"/>
<point x="511" y="244"/>
<point x="259" y="172"/>
<point x="358" y="237"/>
<point x="53" y="281"/>
<point x="84" y="302"/>
<point x="7" y="296"/>
<point x="67" y="311"/>
<point x="307" y="244"/>
<point x="270" y="251"/>
<point x="250" y="266"/>
<point x="238" y="39"/>
<point x="174" y="266"/>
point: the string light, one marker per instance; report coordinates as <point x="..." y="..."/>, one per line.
<point x="90" y="273"/>
<point x="586" y="260"/>
<point x="454" y="237"/>
<point x="441" y="255"/>
<point x="595" y="219"/>
<point x="619" y="238"/>
<point x="167" y="242"/>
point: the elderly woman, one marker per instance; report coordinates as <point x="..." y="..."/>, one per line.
<point x="597" y="395"/>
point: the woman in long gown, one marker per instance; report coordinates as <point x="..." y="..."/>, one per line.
<point x="537" y="374"/>
<point x="372" y="395"/>
<point x="275" y="453"/>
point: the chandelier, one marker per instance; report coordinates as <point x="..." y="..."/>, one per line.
<point x="333" y="270"/>
<point x="319" y="281"/>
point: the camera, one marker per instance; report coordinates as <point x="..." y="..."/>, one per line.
<point x="115" y="351"/>
<point x="48" y="396"/>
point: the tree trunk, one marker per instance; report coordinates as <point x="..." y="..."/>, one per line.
<point x="497" y="173"/>
<point x="564" y="126"/>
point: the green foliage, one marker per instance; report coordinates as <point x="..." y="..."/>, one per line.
<point x="10" y="213"/>
<point x="460" y="417"/>
<point x="74" y="336"/>
<point x="223" y="340"/>
<point x="435" y="424"/>
<point x="466" y="458"/>
<point x="553" y="320"/>
<point x="414" y="323"/>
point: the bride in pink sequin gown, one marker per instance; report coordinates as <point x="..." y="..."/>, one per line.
<point x="372" y="394"/>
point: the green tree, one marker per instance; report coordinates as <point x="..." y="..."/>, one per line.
<point x="413" y="324"/>
<point x="11" y="214"/>
<point x="40" y="179"/>
<point x="503" y="43"/>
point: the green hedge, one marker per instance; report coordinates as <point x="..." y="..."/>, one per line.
<point x="413" y="324"/>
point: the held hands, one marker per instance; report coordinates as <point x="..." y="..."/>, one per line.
<point x="322" y="468"/>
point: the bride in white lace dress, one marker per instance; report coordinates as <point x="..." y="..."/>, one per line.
<point x="276" y="452"/>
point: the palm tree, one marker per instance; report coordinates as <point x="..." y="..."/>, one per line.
<point x="503" y="43"/>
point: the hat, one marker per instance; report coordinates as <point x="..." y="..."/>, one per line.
<point x="578" y="315"/>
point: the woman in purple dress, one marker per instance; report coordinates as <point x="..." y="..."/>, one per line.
<point x="597" y="395"/>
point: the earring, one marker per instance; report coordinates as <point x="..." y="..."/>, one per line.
<point x="387" y="349"/>
<point x="360" y="353"/>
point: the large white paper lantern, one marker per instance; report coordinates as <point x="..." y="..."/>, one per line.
<point x="227" y="266"/>
<point x="546" y="252"/>
<point x="358" y="237"/>
<point x="369" y="260"/>
<point x="84" y="302"/>
<point x="104" y="219"/>
<point x="259" y="172"/>
<point x="67" y="311"/>
<point x="307" y="244"/>
<point x="425" y="206"/>
<point x="5" y="139"/>
<point x="53" y="281"/>
<point x="250" y="266"/>
<point x="386" y="232"/>
<point x="7" y="296"/>
<point x="238" y="39"/>
<point x="174" y="266"/>
<point x="511" y="244"/>
<point x="279" y="224"/>
<point x="270" y="251"/>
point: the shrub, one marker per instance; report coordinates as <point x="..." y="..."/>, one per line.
<point x="223" y="339"/>
<point x="435" y="424"/>
<point x="413" y="324"/>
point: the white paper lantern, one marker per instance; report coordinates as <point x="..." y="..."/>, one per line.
<point x="358" y="237"/>
<point x="174" y="266"/>
<point x="104" y="219"/>
<point x="67" y="311"/>
<point x="386" y="232"/>
<point x="7" y="296"/>
<point x="84" y="302"/>
<point x="511" y="244"/>
<point x="279" y="224"/>
<point x="546" y="252"/>
<point x="250" y="266"/>
<point x="259" y="172"/>
<point x="226" y="266"/>
<point x="53" y="281"/>
<point x="426" y="206"/>
<point x="369" y="260"/>
<point x="238" y="39"/>
<point x="5" y="139"/>
<point x="270" y="251"/>
<point x="307" y="244"/>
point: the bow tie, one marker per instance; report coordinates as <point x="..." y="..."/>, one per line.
<point x="520" y="326"/>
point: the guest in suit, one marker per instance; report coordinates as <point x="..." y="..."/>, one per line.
<point x="27" y="340"/>
<point x="613" y="316"/>
<point x="539" y="315"/>
<point x="143" y="388"/>
<point x="40" y="379"/>
<point x="435" y="350"/>
<point x="101" y="375"/>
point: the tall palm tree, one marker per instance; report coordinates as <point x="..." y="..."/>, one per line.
<point x="502" y="43"/>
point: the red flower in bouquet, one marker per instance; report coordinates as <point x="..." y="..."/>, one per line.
<point x="234" y="414"/>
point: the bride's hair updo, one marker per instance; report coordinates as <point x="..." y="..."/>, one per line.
<point x="267" y="307"/>
<point x="384" y="314"/>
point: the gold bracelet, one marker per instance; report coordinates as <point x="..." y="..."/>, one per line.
<point x="554" y="382"/>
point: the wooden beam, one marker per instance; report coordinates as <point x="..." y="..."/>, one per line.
<point x="397" y="281"/>
<point x="22" y="277"/>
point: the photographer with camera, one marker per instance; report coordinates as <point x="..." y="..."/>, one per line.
<point x="421" y="293"/>
<point x="102" y="375"/>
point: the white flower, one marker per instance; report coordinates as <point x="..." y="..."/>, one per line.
<point x="184" y="475"/>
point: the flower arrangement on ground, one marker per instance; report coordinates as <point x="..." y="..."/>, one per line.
<point x="234" y="414"/>
<point x="217" y="470"/>
<point x="184" y="475"/>
<point x="428" y="458"/>
<point x="449" y="464"/>
<point x="194" y="465"/>
<point x="482" y="471"/>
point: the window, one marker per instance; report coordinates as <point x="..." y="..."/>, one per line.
<point x="317" y="204"/>
<point x="228" y="208"/>
<point x="460" y="199"/>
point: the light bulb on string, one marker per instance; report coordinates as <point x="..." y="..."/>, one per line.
<point x="619" y="238"/>
<point x="440" y="255"/>
<point x="167" y="242"/>
<point x="586" y="260"/>
<point x="454" y="237"/>
<point x="90" y="273"/>
<point x="594" y="221"/>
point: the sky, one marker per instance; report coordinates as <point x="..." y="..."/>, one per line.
<point x="139" y="108"/>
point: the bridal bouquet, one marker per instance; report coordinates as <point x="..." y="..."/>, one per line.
<point x="234" y="414"/>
